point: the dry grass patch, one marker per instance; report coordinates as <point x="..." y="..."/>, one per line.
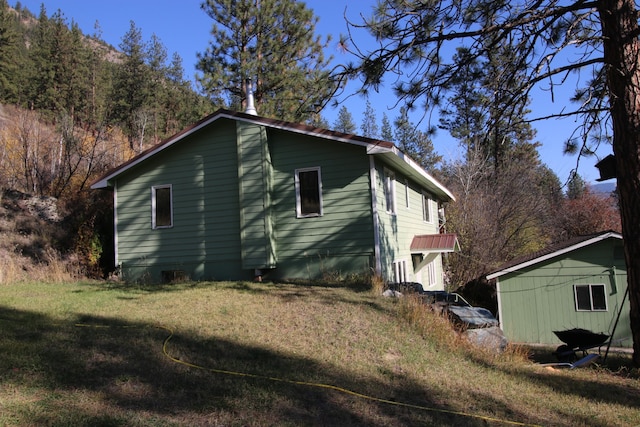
<point x="270" y="354"/>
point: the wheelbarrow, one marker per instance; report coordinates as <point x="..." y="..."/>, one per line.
<point x="575" y="340"/>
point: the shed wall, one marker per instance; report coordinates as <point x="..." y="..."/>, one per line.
<point x="540" y="299"/>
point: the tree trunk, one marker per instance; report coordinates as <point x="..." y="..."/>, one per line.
<point x="621" y="48"/>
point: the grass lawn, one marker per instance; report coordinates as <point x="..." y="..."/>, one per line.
<point x="266" y="354"/>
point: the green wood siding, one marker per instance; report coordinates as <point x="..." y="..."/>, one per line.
<point x="204" y="240"/>
<point x="397" y="230"/>
<point x="540" y="299"/>
<point x="254" y="172"/>
<point x="341" y="240"/>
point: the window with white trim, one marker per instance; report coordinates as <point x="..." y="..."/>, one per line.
<point x="427" y="215"/>
<point x="431" y="273"/>
<point x="400" y="271"/>
<point x="161" y="206"/>
<point x="406" y="192"/>
<point x="308" y="192"/>
<point x="390" y="190"/>
<point x="590" y="297"/>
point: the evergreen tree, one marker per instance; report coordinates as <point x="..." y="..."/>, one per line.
<point x="9" y="56"/>
<point x="369" y="127"/>
<point x="344" y="122"/>
<point x="319" y="121"/>
<point x="465" y="114"/>
<point x="131" y="87"/>
<point x="271" y="43"/>
<point x="414" y="142"/>
<point x="576" y="187"/>
<point x="386" y="131"/>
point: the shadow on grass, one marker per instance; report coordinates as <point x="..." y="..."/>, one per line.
<point x="100" y="371"/>
<point x="592" y="388"/>
<point x="285" y="291"/>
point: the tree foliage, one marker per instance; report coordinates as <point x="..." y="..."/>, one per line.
<point x="369" y="126"/>
<point x="272" y="43"/>
<point x="414" y="142"/>
<point x="547" y="42"/>
<point x="344" y="122"/>
<point x="69" y="105"/>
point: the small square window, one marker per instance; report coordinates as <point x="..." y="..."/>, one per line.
<point x="161" y="206"/>
<point x="590" y="297"/>
<point x="308" y="192"/>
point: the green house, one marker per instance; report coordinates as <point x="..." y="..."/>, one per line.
<point x="580" y="283"/>
<point x="237" y="196"/>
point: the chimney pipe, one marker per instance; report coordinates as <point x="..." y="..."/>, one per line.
<point x="251" y="109"/>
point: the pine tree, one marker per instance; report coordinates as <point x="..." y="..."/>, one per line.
<point x="271" y="43"/>
<point x="344" y="122"/>
<point x="9" y="56"/>
<point x="131" y="87"/>
<point x="576" y="187"/>
<point x="386" y="131"/>
<point x="369" y="127"/>
<point x="414" y="142"/>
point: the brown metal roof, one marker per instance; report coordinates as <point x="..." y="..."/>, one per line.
<point x="550" y="251"/>
<point x="385" y="149"/>
<point x="447" y="242"/>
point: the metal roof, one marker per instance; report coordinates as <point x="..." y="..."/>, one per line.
<point x="552" y="251"/>
<point x="383" y="149"/>
<point x="447" y="242"/>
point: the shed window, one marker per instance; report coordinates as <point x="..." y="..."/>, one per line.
<point x="161" y="206"/>
<point x="590" y="297"/>
<point x="308" y="192"/>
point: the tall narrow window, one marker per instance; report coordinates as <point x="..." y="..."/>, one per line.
<point x="431" y="273"/>
<point x="400" y="271"/>
<point x="590" y="297"/>
<point x="426" y="208"/>
<point x="406" y="193"/>
<point x="390" y="190"/>
<point x="308" y="192"/>
<point x="161" y="206"/>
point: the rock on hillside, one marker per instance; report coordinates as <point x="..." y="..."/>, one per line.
<point x="30" y="229"/>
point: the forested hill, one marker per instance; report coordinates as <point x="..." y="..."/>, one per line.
<point x="72" y="107"/>
<point x="75" y="106"/>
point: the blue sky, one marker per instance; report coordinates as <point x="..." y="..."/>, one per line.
<point x="184" y="28"/>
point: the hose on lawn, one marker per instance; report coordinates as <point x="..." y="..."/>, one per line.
<point x="166" y="353"/>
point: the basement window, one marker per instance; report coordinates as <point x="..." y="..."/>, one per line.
<point x="590" y="297"/>
<point x="308" y="192"/>
<point x="161" y="206"/>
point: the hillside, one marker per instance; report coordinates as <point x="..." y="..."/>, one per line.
<point x="256" y="354"/>
<point x="30" y="234"/>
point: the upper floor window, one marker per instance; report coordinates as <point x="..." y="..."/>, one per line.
<point x="390" y="190"/>
<point x="590" y="297"/>
<point x="308" y="192"/>
<point x="427" y="214"/>
<point x="161" y="206"/>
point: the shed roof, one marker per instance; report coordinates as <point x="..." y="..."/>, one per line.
<point x="447" y="242"/>
<point x="383" y="149"/>
<point x="551" y="251"/>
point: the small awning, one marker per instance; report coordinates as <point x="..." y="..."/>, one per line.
<point x="447" y="242"/>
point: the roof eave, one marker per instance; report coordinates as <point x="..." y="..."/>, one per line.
<point x="546" y="257"/>
<point x="408" y="165"/>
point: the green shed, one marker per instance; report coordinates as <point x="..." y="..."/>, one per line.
<point x="579" y="283"/>
<point x="237" y="196"/>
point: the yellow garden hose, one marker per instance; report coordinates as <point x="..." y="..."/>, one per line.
<point x="312" y="384"/>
